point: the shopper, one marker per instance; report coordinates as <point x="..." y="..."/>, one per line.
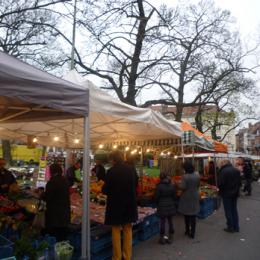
<point x="72" y="173"/>
<point x="165" y="196"/>
<point x="57" y="215"/>
<point x="248" y="175"/>
<point x="212" y="173"/>
<point x="99" y="170"/>
<point x="189" y="201"/>
<point x="229" y="184"/>
<point x="6" y="178"/>
<point x="121" y="209"/>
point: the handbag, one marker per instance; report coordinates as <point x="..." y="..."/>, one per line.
<point x="39" y="219"/>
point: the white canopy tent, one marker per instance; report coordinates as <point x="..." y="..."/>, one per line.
<point x="29" y="95"/>
<point x="110" y="119"/>
<point x="31" y="100"/>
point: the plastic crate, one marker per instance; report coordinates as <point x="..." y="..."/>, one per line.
<point x="206" y="208"/>
<point x="102" y="255"/>
<point x="101" y="244"/>
<point x="217" y="203"/>
<point x="148" y="232"/>
<point x="10" y="233"/>
<point x="149" y="220"/>
<point x="6" y="248"/>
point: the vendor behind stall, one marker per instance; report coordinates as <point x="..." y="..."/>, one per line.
<point x="99" y="170"/>
<point x="57" y="215"/>
<point x="73" y="173"/>
<point x="6" y="177"/>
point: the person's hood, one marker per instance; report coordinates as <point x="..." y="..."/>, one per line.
<point x="226" y="165"/>
<point x="165" y="181"/>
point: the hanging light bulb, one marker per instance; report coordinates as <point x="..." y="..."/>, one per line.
<point x="148" y="150"/>
<point x="35" y="140"/>
<point x="101" y="146"/>
<point x="169" y="153"/>
<point x="127" y="148"/>
<point x="76" y="141"/>
<point x="115" y="146"/>
<point x="56" y="138"/>
<point x="162" y="153"/>
<point x="175" y="157"/>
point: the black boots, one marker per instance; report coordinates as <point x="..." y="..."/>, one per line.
<point x="170" y="239"/>
<point x="162" y="240"/>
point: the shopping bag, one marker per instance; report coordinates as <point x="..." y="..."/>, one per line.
<point x="39" y="219"/>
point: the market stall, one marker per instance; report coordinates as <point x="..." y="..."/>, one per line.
<point x="30" y="95"/>
<point x="33" y="101"/>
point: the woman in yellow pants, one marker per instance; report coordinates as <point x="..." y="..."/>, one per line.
<point x="121" y="209"/>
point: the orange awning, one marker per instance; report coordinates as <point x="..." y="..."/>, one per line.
<point x="218" y="147"/>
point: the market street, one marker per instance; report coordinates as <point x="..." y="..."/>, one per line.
<point x="211" y="242"/>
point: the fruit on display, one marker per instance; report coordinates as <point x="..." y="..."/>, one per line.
<point x="96" y="187"/>
<point x="208" y="191"/>
<point x="7" y="206"/>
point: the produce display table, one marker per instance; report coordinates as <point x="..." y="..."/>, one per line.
<point x="101" y="241"/>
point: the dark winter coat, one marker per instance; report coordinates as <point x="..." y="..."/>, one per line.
<point x="100" y="172"/>
<point x="189" y="203"/>
<point x="71" y="176"/>
<point x="165" y="196"/>
<point x="6" y="178"/>
<point x="248" y="171"/>
<point x="120" y="188"/>
<point x="57" y="203"/>
<point x="229" y="181"/>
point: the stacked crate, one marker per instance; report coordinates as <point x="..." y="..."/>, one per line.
<point x="207" y="208"/>
<point x="148" y="227"/>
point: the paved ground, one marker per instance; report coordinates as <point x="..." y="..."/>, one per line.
<point x="212" y="243"/>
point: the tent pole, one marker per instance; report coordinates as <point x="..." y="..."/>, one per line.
<point x="182" y="150"/>
<point x="215" y="166"/>
<point x="85" y="230"/>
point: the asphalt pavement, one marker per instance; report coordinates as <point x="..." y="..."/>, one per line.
<point x="211" y="242"/>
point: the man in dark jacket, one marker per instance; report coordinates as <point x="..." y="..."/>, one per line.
<point x="121" y="209"/>
<point x="248" y="175"/>
<point x="229" y="183"/>
<point x="57" y="215"/>
<point x="6" y="177"/>
<point x="99" y="170"/>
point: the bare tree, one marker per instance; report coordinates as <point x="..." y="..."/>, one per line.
<point x="203" y="54"/>
<point x="118" y="32"/>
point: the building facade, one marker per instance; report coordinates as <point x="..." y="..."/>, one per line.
<point x="248" y="139"/>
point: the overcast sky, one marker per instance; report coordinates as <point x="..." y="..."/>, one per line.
<point x="247" y="17"/>
<point x="246" y="12"/>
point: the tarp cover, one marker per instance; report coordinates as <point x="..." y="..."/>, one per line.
<point x="200" y="139"/>
<point x="29" y="94"/>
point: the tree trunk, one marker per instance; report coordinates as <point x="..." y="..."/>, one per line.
<point x="6" y="146"/>
<point x="179" y="110"/>
<point x="198" y="120"/>
<point x="214" y="133"/>
<point x="131" y="93"/>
